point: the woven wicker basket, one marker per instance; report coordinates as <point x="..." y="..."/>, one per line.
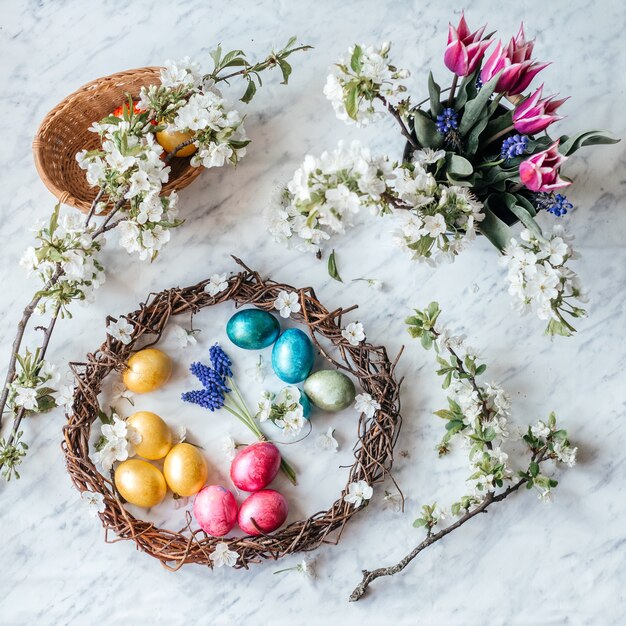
<point x="64" y="132"/>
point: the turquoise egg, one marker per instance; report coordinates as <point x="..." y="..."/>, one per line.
<point x="306" y="405"/>
<point x="330" y="390"/>
<point x="253" y="329"/>
<point x="293" y="356"/>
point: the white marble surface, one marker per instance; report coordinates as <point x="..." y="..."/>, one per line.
<point x="524" y="563"/>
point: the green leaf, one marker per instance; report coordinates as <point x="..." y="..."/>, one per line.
<point x="499" y="123"/>
<point x="418" y="523"/>
<point x="351" y="102"/>
<point x="473" y="137"/>
<point x="426" y="130"/>
<point x="250" y="91"/>
<point x="427" y="341"/>
<point x="458" y="166"/>
<point x="481" y="369"/>
<point x="455" y="509"/>
<point x="474" y="108"/>
<point x="569" y="145"/>
<point x="332" y="267"/>
<point x="434" y="91"/>
<point x="285" y="68"/>
<point x="467" y="91"/>
<point x="355" y="61"/>
<point x="444" y="414"/>
<point x="526" y="203"/>
<point x="495" y="229"/>
<point x="534" y="469"/>
<point x="433" y="309"/>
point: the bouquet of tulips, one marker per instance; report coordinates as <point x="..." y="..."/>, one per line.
<point x="478" y="159"/>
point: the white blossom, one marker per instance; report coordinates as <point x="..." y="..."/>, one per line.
<point x="364" y="403"/>
<point x="292" y="422"/>
<point x="565" y="454"/>
<point x="326" y="441"/>
<point x="265" y="406"/>
<point x="119" y="391"/>
<point x="358" y="492"/>
<point x="229" y="447"/>
<point x="287" y="303"/>
<point x="65" y="397"/>
<point x="223" y="555"/>
<point x="26" y="398"/>
<point x="122" y="330"/>
<point x="217" y="283"/>
<point x="258" y="371"/>
<point x="94" y="502"/>
<point x="183" y="337"/>
<point x="540" y="430"/>
<point x="354" y="333"/>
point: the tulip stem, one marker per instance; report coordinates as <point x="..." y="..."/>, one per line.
<point x="491" y="139"/>
<point x="452" y="90"/>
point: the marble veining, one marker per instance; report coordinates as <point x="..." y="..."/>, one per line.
<point x="524" y="563"/>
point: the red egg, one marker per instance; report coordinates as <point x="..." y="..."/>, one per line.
<point x="215" y="508"/>
<point x="267" y="508"/>
<point x="255" y="466"/>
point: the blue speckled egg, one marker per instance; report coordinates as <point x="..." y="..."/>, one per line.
<point x="253" y="329"/>
<point x="293" y="356"/>
<point x="306" y="405"/>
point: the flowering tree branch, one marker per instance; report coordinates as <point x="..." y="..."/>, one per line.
<point x="128" y="170"/>
<point x="477" y="413"/>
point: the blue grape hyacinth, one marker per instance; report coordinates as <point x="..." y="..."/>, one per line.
<point x="220" y="361"/>
<point x="557" y="204"/>
<point x="448" y="120"/>
<point x="212" y="399"/>
<point x="513" y="146"/>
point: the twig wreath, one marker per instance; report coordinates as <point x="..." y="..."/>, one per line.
<point x="373" y="450"/>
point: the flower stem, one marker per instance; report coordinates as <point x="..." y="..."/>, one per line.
<point x="491" y="139"/>
<point x="452" y="91"/>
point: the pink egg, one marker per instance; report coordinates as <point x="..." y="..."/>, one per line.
<point x="215" y="508"/>
<point x="255" y="466"/>
<point x="267" y="508"/>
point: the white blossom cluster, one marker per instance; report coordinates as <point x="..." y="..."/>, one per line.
<point x="285" y="410"/>
<point x="359" y="80"/>
<point x="32" y="389"/>
<point x="64" y="260"/>
<point x="442" y="220"/>
<point x="540" y="281"/>
<point x="116" y="443"/>
<point x="187" y="102"/>
<point x="326" y="192"/>
<point x="129" y="167"/>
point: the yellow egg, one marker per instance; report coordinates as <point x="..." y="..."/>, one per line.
<point x="185" y="469"/>
<point x="169" y="139"/>
<point x="140" y="483"/>
<point x="155" y="437"/>
<point x="147" y="370"/>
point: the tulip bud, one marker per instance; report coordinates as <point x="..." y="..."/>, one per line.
<point x="465" y="49"/>
<point x="536" y="113"/>
<point x="540" y="172"/>
<point x="515" y="63"/>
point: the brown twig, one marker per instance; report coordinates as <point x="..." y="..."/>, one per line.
<point x="403" y="129"/>
<point x="179" y="147"/>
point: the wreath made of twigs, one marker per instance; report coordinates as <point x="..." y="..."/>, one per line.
<point x="373" y="450"/>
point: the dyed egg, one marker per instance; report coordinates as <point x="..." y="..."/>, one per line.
<point x="306" y="405"/>
<point x="253" y="329"/>
<point x="293" y="356"/>
<point x="330" y="390"/>
<point x="215" y="509"/>
<point x="147" y="370"/>
<point x="140" y="483"/>
<point x="255" y="466"/>
<point x="185" y="469"/>
<point x="154" y="436"/>
<point x="262" y="512"/>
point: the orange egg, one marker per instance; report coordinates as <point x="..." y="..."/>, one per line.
<point x="170" y="139"/>
<point x="147" y="370"/>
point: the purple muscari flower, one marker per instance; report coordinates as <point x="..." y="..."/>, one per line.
<point x="448" y="120"/>
<point x="513" y="146"/>
<point x="557" y="204"/>
<point x="220" y="361"/>
<point x="211" y="399"/>
<point x="209" y="378"/>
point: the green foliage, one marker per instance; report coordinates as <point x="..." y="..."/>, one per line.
<point x="11" y="455"/>
<point x="569" y="145"/>
<point x="333" y="272"/>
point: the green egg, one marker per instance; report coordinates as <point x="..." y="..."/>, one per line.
<point x="330" y="390"/>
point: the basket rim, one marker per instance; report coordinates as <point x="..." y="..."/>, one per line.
<point x="38" y="143"/>
<point x="373" y="450"/>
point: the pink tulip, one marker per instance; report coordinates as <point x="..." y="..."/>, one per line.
<point x="536" y="113"/>
<point x="540" y="172"/>
<point x="518" y="68"/>
<point x="465" y="49"/>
